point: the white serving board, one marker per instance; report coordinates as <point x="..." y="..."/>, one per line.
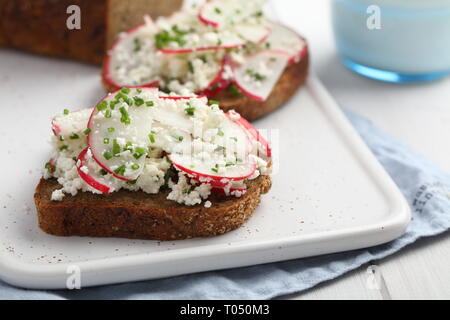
<point x="329" y="193"/>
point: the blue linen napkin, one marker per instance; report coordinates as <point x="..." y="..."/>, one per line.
<point x="425" y="186"/>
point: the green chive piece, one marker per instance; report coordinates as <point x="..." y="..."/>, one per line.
<point x="139" y="152"/>
<point x="220" y="133"/>
<point x="150" y="103"/>
<point x="229" y="164"/>
<point x="214" y="170"/>
<point x="87" y="131"/>
<point x="74" y="136"/>
<point x="103" y="172"/>
<point x="112" y="104"/>
<point x="111" y="129"/>
<point x="217" y="10"/>
<point x="106" y="140"/>
<point x="125" y="118"/>
<point x="190" y="67"/>
<point x="107" y="155"/>
<point x="190" y="111"/>
<point x="139" y="90"/>
<point x="135" y="166"/>
<point x="234" y="90"/>
<point x="108" y="113"/>
<point x="66" y="112"/>
<point x="125" y="90"/>
<point x="213" y="102"/>
<point x="234" y="138"/>
<point x="132" y="182"/>
<point x="64" y="147"/>
<point x="120" y="170"/>
<point x="138" y="101"/>
<point x="116" y="148"/>
<point x="102" y="106"/>
<point x="180" y="138"/>
<point x="137" y="44"/>
<point x="151" y="137"/>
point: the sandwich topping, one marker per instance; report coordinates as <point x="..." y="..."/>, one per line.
<point x="222" y="44"/>
<point x="141" y="139"/>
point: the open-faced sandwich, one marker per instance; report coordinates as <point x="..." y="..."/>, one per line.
<point x="150" y="165"/>
<point x="224" y="49"/>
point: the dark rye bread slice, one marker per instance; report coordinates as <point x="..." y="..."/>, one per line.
<point x="39" y="26"/>
<point x="138" y="215"/>
<point x="290" y="81"/>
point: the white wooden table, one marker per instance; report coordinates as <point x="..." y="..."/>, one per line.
<point x="419" y="115"/>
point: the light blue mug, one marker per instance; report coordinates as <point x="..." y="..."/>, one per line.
<point x="394" y="40"/>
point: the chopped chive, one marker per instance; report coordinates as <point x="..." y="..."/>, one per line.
<point x="217" y="10"/>
<point x="139" y="152"/>
<point x="74" y="136"/>
<point x="137" y="44"/>
<point x="139" y="90"/>
<point x="61" y="138"/>
<point x="213" y="102"/>
<point x="138" y="101"/>
<point x="128" y="101"/>
<point x="190" y="110"/>
<point x="108" y="113"/>
<point x="220" y="132"/>
<point x="113" y="104"/>
<point x="219" y="148"/>
<point x="107" y="155"/>
<point x="150" y="103"/>
<point x="111" y="129"/>
<point x="238" y="160"/>
<point x="135" y="166"/>
<point x="102" y="106"/>
<point x="87" y="131"/>
<point x="151" y="137"/>
<point x="125" y="90"/>
<point x="132" y="182"/>
<point x="125" y="118"/>
<point x="116" y="148"/>
<point x="120" y="170"/>
<point x="190" y="67"/>
<point x="105" y="140"/>
<point x="234" y="138"/>
<point x="214" y="170"/>
<point x="64" y="147"/>
<point x="103" y="172"/>
<point x="128" y="147"/>
<point x="180" y="138"/>
<point x="229" y="164"/>
<point x="234" y="90"/>
<point x="66" y="112"/>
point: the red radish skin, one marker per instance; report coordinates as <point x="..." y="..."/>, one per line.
<point x="204" y="20"/>
<point x="55" y="128"/>
<point x="89" y="137"/>
<point x="182" y="98"/>
<point x="87" y="178"/>
<point x="256" y="135"/>
<point x="214" y="180"/>
<point x="106" y="72"/>
<point x="219" y="83"/>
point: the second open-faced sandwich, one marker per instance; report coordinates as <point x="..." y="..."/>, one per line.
<point x="148" y="165"/>
<point x="225" y="49"/>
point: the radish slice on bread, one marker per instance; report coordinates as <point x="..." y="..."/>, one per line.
<point x="120" y="126"/>
<point x="259" y="74"/>
<point x="221" y="81"/>
<point x="285" y="39"/>
<point x="91" y="173"/>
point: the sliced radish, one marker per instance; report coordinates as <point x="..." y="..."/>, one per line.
<point x="220" y="13"/>
<point x="259" y="74"/>
<point x="90" y="173"/>
<point x="67" y="124"/>
<point x="285" y="39"/>
<point x="128" y="44"/>
<point x="263" y="144"/>
<point x="204" y="171"/>
<point x="119" y="137"/>
<point x="221" y="81"/>
<point x="254" y="33"/>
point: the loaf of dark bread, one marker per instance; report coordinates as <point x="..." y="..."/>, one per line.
<point x="138" y="215"/>
<point x="40" y="26"/>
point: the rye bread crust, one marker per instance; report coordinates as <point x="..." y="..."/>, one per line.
<point x="137" y="215"/>
<point x="39" y="26"/>
<point x="290" y="81"/>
